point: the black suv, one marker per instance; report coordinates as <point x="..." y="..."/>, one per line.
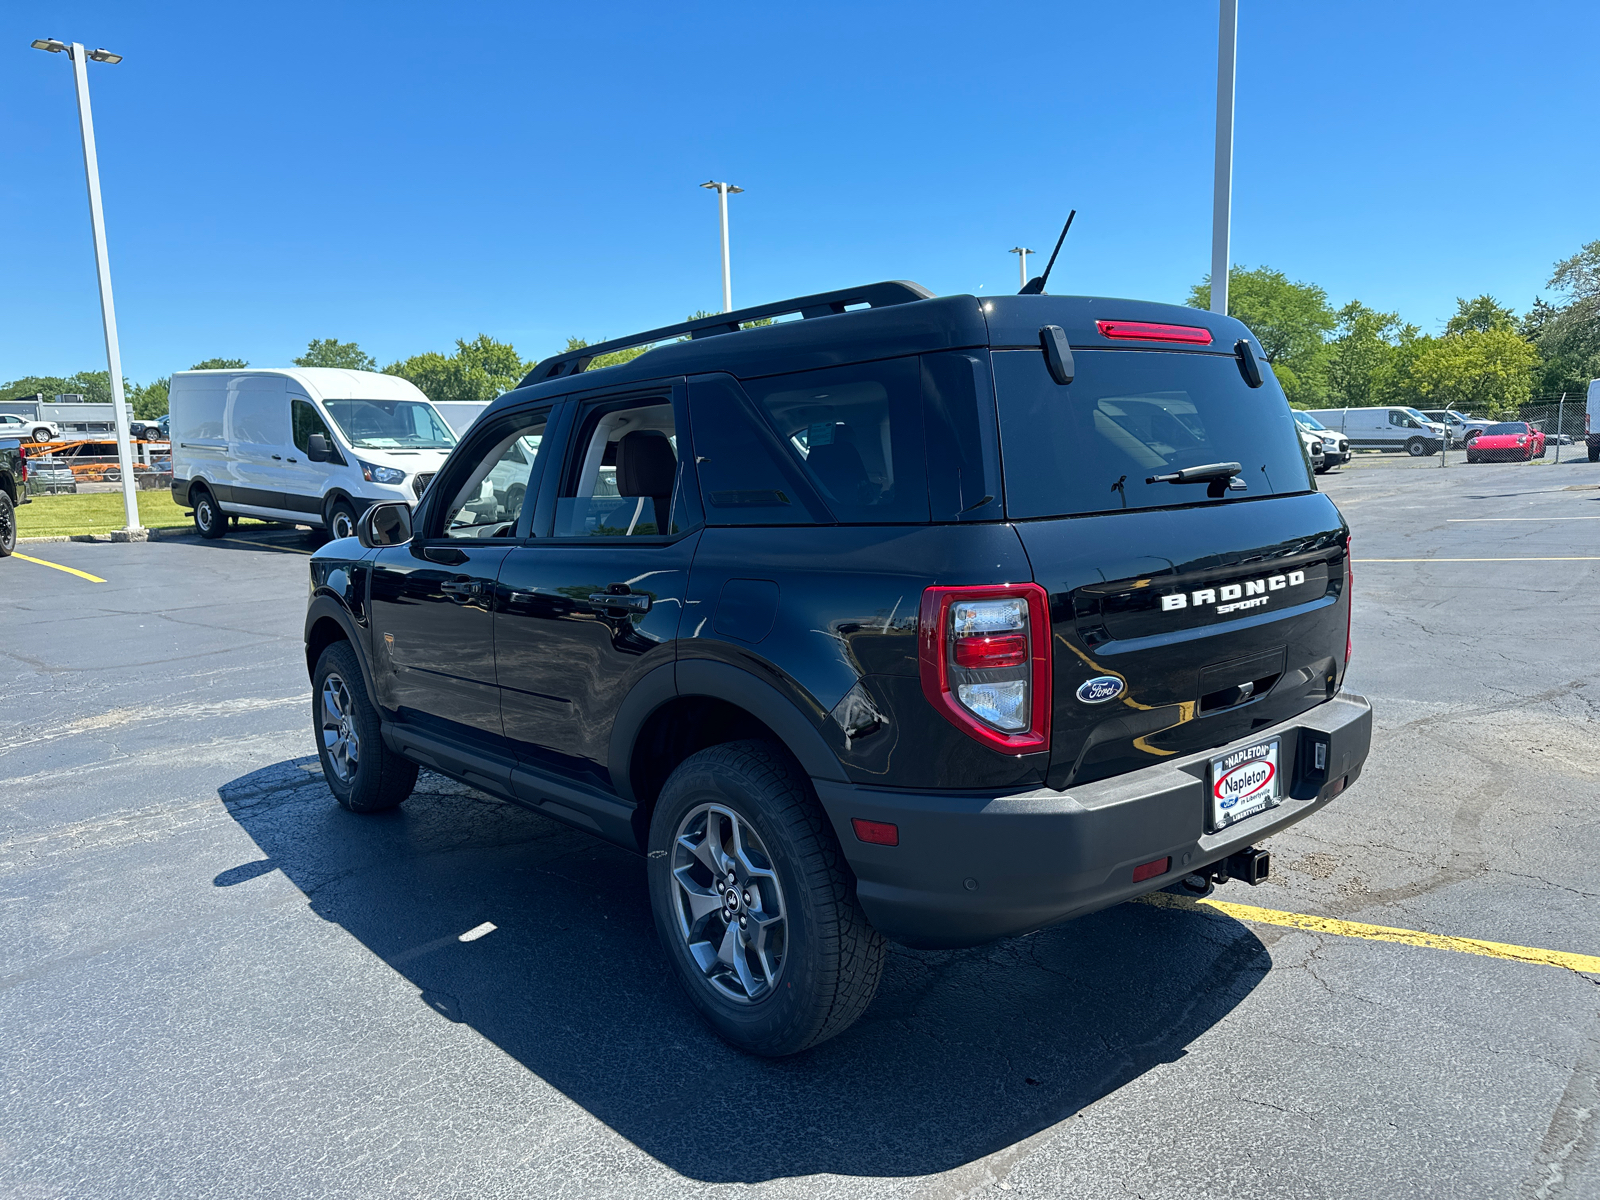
<point x="934" y="620"/>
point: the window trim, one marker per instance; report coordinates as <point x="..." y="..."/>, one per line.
<point x="577" y="410"/>
<point x="480" y="438"/>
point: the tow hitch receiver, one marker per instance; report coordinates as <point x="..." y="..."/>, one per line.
<point x="1248" y="866"/>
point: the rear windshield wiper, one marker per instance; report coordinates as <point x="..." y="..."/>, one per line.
<point x="1220" y="476"/>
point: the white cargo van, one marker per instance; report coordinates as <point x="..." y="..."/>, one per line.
<point x="312" y="445"/>
<point x="1392" y="428"/>
<point x="1591" y="421"/>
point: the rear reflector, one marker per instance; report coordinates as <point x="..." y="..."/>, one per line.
<point x="1146" y="331"/>
<point x="1151" y="869"/>
<point x="876" y="833"/>
<point x="1006" y="650"/>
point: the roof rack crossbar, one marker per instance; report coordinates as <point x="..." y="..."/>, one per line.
<point x="823" y="304"/>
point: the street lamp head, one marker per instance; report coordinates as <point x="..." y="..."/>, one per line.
<point x="1020" y="250"/>
<point x="732" y="189"/>
<point x="104" y="55"/>
<point x="51" y="44"/>
<point x="725" y="187"/>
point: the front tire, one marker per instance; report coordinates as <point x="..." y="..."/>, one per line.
<point x="8" y="525"/>
<point x="209" y="520"/>
<point x="1416" y="447"/>
<point x="363" y="774"/>
<point x="341" y="519"/>
<point x="41" y="435"/>
<point x="754" y="904"/>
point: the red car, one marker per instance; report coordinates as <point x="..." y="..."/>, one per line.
<point x="1508" y="441"/>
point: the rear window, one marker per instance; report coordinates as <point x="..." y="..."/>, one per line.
<point x="1092" y="445"/>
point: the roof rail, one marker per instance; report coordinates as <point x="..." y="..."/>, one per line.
<point x="823" y="304"/>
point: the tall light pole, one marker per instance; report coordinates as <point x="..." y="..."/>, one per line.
<point x="108" y="313"/>
<point x="723" y="191"/>
<point x="1222" y="196"/>
<point x="1022" y="262"/>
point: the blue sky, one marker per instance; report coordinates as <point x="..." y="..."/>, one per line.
<point x="403" y="175"/>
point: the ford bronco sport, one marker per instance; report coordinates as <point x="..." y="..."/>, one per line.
<point x="934" y="620"/>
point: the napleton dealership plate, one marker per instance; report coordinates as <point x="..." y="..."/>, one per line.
<point x="1245" y="782"/>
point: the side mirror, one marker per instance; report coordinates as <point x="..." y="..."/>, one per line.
<point x="384" y="525"/>
<point x="317" y="448"/>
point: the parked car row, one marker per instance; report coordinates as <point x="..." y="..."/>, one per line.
<point x="1325" y="448"/>
<point x="1395" y="427"/>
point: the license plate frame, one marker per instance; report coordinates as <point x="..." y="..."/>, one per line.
<point x="1244" y="783"/>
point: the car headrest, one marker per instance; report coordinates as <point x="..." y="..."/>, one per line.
<point x="646" y="464"/>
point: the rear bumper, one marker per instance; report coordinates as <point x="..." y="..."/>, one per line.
<point x="970" y="868"/>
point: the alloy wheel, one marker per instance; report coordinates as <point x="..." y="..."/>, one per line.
<point x="339" y="737"/>
<point x="728" y="903"/>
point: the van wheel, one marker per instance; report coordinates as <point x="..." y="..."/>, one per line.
<point x="209" y="520"/>
<point x="1416" y="447"/>
<point x="342" y="519"/>
<point x="363" y="774"/>
<point x="1594" y="453"/>
<point x="754" y="904"/>
<point x="8" y="525"/>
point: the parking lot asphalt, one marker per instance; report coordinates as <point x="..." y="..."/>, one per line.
<point x="215" y="982"/>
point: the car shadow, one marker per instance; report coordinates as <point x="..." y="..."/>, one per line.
<point x="963" y="1053"/>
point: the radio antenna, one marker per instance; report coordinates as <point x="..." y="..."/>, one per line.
<point x="1035" y="286"/>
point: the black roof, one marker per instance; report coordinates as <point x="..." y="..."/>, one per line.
<point x="879" y="320"/>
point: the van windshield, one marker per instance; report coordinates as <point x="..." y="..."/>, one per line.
<point x="390" y="424"/>
<point x="1307" y="421"/>
<point x="1092" y="445"/>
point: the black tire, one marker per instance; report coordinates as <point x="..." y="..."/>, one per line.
<point x="1416" y="447"/>
<point x="1471" y="457"/>
<point x="831" y="959"/>
<point x="42" y="435"/>
<point x="8" y="525"/>
<point x="209" y="520"/>
<point x="1594" y="452"/>
<point x="368" y="777"/>
<point x="341" y="519"/>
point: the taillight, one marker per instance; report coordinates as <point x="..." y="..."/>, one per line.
<point x="1349" y="593"/>
<point x="1149" y="331"/>
<point x="985" y="657"/>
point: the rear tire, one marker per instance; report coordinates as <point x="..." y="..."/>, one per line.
<point x="8" y="525"/>
<point x="209" y="520"/>
<point x="1594" y="452"/>
<point x="780" y="956"/>
<point x="363" y="774"/>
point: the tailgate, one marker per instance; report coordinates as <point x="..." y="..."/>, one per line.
<point x="1176" y="630"/>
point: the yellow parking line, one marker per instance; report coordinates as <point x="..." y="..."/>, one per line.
<point x="1560" y="558"/>
<point x="1589" y="964"/>
<point x="59" y="567"/>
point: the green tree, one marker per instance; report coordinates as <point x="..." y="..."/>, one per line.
<point x="615" y="359"/>
<point x="1483" y="314"/>
<point x="331" y="352"/>
<point x="47" y="386"/>
<point x="232" y="364"/>
<point x="1360" y="360"/>
<point x="1290" y="320"/>
<point x="1568" y="335"/>
<point x="149" y="400"/>
<point x="479" y="370"/>
<point x="1490" y="371"/>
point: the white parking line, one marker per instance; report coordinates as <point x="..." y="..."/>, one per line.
<point x="477" y="931"/>
<point x="1480" y="520"/>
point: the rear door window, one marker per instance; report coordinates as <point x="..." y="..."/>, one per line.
<point x="1093" y="445"/>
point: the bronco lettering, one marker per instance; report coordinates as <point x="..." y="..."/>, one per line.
<point x="1231" y="593"/>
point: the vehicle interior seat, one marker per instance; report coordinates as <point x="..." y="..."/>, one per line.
<point x="839" y="468"/>
<point x="647" y="466"/>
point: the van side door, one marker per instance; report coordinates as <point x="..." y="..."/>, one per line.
<point x="258" y="433"/>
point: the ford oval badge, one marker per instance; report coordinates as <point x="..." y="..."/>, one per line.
<point x="1100" y="689"/>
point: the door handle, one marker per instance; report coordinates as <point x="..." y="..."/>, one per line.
<point x="630" y="601"/>
<point x="277" y="458"/>
<point x="294" y="460"/>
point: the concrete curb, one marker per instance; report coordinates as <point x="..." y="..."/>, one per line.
<point x="116" y="535"/>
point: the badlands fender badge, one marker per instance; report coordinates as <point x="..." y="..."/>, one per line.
<point x="1100" y="689"/>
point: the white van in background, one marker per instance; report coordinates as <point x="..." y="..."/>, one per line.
<point x="461" y="413"/>
<point x="1591" y="421"/>
<point x="312" y="445"/>
<point x="1392" y="428"/>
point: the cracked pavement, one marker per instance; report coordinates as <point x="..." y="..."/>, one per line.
<point x="217" y="983"/>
